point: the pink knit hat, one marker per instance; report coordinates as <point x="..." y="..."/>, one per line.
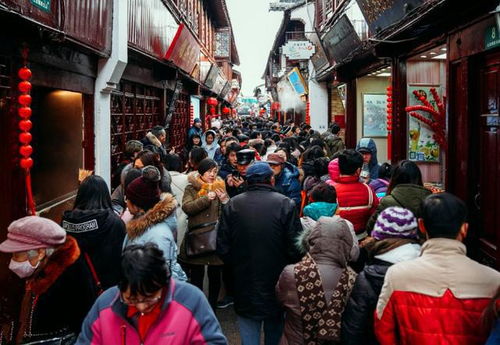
<point x="32" y="232"/>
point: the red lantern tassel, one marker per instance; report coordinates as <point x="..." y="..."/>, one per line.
<point x="29" y="194"/>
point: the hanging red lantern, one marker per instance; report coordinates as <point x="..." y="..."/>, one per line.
<point x="25" y="137"/>
<point x="212" y="110"/>
<point x="24" y="112"/>
<point x="26" y="163"/>
<point x="24" y="86"/>
<point x="212" y="101"/>
<point x="24" y="73"/>
<point x="26" y="151"/>
<point x="24" y="100"/>
<point x="226" y="110"/>
<point x="25" y="125"/>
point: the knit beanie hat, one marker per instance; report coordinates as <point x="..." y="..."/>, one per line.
<point x="144" y="191"/>
<point x="206" y="165"/>
<point x="395" y="222"/>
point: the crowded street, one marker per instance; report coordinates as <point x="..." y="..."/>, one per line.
<point x="254" y="172"/>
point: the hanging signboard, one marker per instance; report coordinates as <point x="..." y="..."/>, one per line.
<point x="297" y="82"/>
<point x="491" y="37"/>
<point x="298" y="50"/>
<point x="421" y="144"/>
<point x="319" y="59"/>
<point x="225" y="90"/>
<point x="220" y="82"/>
<point x="204" y="69"/>
<point x="379" y="14"/>
<point x="44" y="5"/>
<point x="184" y="51"/>
<point x="212" y="77"/>
<point x="341" y="40"/>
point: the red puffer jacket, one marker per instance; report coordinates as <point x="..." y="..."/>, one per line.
<point x="435" y="299"/>
<point x="356" y="202"/>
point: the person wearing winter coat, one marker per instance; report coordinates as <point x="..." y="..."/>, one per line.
<point x="149" y="307"/>
<point x="356" y="200"/>
<point x="154" y="141"/>
<point x="210" y="143"/>
<point x="203" y="201"/>
<point x="396" y="241"/>
<point x="439" y="297"/>
<point x="97" y="229"/>
<point x="256" y="237"/>
<point x="314" y="292"/>
<point x="333" y="140"/>
<point x="286" y="177"/>
<point x="195" y="128"/>
<point x="59" y="287"/>
<point x="368" y="148"/>
<point x="154" y="218"/>
<point x="381" y="184"/>
<point x="405" y="190"/>
<point x="230" y="163"/>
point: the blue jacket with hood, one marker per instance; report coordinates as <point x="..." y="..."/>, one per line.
<point x="369" y="143"/>
<point x="287" y="183"/>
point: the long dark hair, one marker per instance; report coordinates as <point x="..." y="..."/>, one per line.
<point x="405" y="172"/>
<point x="93" y="194"/>
<point x="150" y="158"/>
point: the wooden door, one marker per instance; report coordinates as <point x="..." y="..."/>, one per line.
<point x="488" y="198"/>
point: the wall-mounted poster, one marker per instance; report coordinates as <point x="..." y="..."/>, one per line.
<point x="421" y="146"/>
<point x="374" y="115"/>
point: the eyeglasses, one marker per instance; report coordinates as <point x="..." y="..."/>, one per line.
<point x="134" y="302"/>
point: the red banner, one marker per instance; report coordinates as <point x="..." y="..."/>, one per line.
<point x="184" y="51"/>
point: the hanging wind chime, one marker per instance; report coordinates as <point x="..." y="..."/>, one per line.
<point x="24" y="111"/>
<point x="438" y="117"/>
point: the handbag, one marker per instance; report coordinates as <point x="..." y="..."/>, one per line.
<point x="202" y="239"/>
<point x="97" y="281"/>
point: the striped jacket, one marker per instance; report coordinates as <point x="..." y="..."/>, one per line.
<point x="186" y="318"/>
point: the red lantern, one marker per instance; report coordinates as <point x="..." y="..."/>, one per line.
<point x="25" y="125"/>
<point x="24" y="112"/>
<point x="26" y="150"/>
<point x="212" y="101"/>
<point x="24" y="86"/>
<point x="26" y="163"/>
<point x="24" y="73"/>
<point x="212" y="110"/>
<point x="25" y="138"/>
<point x="24" y="100"/>
<point x="226" y="110"/>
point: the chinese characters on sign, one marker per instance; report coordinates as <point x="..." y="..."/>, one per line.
<point x="297" y="82"/>
<point x="299" y="50"/>
<point x="374" y="115"/>
<point x="44" y="5"/>
<point x="184" y="50"/>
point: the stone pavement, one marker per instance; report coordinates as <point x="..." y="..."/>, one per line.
<point x="227" y="319"/>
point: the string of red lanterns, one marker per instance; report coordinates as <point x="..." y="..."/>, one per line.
<point x="24" y="111"/>
<point x="389" y="122"/>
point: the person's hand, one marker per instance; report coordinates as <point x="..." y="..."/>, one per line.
<point x="237" y="181"/>
<point x="221" y="194"/>
<point x="229" y="180"/>
<point x="367" y="242"/>
<point x="211" y="195"/>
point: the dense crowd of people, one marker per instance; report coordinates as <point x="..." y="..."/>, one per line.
<point x="313" y="243"/>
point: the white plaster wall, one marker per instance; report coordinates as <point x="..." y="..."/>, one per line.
<point x="306" y="14"/>
<point x="318" y="103"/>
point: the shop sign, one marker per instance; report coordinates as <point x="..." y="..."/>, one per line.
<point x="298" y="50"/>
<point x="491" y="38"/>
<point x="235" y="84"/>
<point x="319" y="59"/>
<point x="204" y="69"/>
<point x="44" y="5"/>
<point x="297" y="82"/>
<point x="225" y="90"/>
<point x="184" y="51"/>
<point x="379" y="14"/>
<point x="212" y="77"/>
<point x="341" y="40"/>
<point x="220" y="82"/>
<point x="422" y="146"/>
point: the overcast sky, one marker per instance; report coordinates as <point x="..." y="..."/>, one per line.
<point x="254" y="29"/>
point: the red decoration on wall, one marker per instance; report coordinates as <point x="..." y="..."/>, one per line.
<point x="25" y="125"/>
<point x="389" y="122"/>
<point x="438" y="117"/>
<point x="226" y="110"/>
<point x="308" y="113"/>
<point x="191" y="115"/>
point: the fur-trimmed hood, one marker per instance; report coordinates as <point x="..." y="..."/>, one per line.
<point x="153" y="139"/>
<point x="65" y="256"/>
<point x="158" y="214"/>
<point x="194" y="179"/>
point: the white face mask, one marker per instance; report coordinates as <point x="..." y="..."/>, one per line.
<point x="22" y="268"/>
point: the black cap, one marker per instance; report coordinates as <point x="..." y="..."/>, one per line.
<point x="245" y="157"/>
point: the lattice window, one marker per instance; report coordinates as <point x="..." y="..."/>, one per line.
<point x="179" y="124"/>
<point x="135" y="109"/>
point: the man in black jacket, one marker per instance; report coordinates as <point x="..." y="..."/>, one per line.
<point x="256" y="236"/>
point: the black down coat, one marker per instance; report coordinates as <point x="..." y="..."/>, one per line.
<point x="100" y="234"/>
<point x="256" y="237"/>
<point x="357" y="319"/>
